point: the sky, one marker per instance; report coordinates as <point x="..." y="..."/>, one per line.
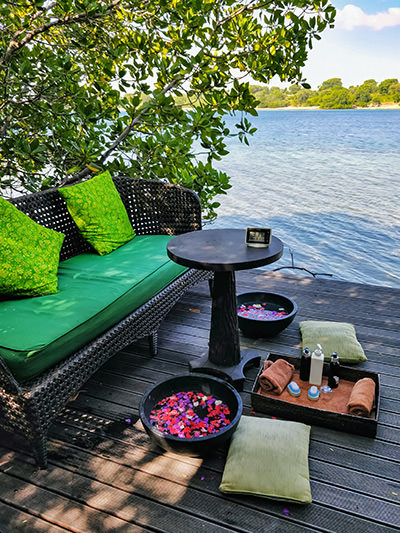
<point x="364" y="44"/>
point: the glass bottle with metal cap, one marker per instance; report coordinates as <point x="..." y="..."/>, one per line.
<point x="334" y="371"/>
<point x="305" y="364"/>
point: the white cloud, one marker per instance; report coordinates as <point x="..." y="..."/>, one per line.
<point x="352" y="16"/>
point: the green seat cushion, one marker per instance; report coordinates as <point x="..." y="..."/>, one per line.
<point x="337" y="337"/>
<point x="29" y="254"/>
<point x="95" y="293"/>
<point x="99" y="213"/>
<point x="268" y="458"/>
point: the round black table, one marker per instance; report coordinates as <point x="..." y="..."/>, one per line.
<point x="223" y="251"/>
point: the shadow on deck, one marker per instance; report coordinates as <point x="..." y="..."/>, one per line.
<point x="104" y="475"/>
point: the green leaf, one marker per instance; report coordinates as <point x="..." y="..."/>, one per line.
<point x="25" y="67"/>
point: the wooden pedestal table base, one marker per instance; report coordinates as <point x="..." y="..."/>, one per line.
<point x="223" y="251"/>
<point x="224" y="357"/>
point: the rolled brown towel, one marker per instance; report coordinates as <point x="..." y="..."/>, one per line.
<point x="362" y="397"/>
<point x="275" y="376"/>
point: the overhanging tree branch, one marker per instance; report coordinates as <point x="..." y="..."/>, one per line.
<point x="139" y="117"/>
<point x="134" y="121"/>
<point x="88" y="49"/>
<point x="16" y="45"/>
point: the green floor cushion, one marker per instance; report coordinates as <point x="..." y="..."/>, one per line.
<point x="337" y="337"/>
<point x="95" y="292"/>
<point x="268" y="458"/>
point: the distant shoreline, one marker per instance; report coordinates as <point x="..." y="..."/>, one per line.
<point x="316" y="107"/>
<point x="308" y="108"/>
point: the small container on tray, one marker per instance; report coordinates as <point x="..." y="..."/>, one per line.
<point x="300" y="410"/>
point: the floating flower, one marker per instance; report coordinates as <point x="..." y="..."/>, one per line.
<point x="260" y="312"/>
<point x="190" y="415"/>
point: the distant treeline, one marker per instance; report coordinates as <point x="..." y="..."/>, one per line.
<point x="330" y="95"/>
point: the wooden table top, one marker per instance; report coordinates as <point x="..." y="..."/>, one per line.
<point x="221" y="250"/>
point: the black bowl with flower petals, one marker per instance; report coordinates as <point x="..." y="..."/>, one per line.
<point x="210" y="386"/>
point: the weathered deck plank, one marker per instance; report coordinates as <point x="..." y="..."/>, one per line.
<point x="104" y="475"/>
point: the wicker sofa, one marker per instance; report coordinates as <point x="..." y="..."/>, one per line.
<point x="28" y="407"/>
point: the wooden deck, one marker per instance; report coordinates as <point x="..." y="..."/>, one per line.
<point x="104" y="475"/>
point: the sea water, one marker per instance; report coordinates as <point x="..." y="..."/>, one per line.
<point x="327" y="183"/>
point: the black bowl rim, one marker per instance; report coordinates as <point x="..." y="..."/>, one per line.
<point x="233" y="423"/>
<point x="277" y="320"/>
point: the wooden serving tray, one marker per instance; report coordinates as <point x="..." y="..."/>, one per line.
<point x="318" y="412"/>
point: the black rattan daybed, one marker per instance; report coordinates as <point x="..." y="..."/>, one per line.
<point x="154" y="208"/>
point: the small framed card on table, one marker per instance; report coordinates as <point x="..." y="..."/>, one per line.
<point x="258" y="237"/>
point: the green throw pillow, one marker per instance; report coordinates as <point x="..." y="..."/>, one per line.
<point x="268" y="458"/>
<point x="337" y="337"/>
<point x="29" y="254"/>
<point x="99" y="213"/>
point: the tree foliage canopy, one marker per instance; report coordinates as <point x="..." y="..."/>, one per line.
<point x="67" y="68"/>
<point x="330" y="84"/>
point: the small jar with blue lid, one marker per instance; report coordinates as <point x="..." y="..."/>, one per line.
<point x="313" y="393"/>
<point x="294" y="389"/>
